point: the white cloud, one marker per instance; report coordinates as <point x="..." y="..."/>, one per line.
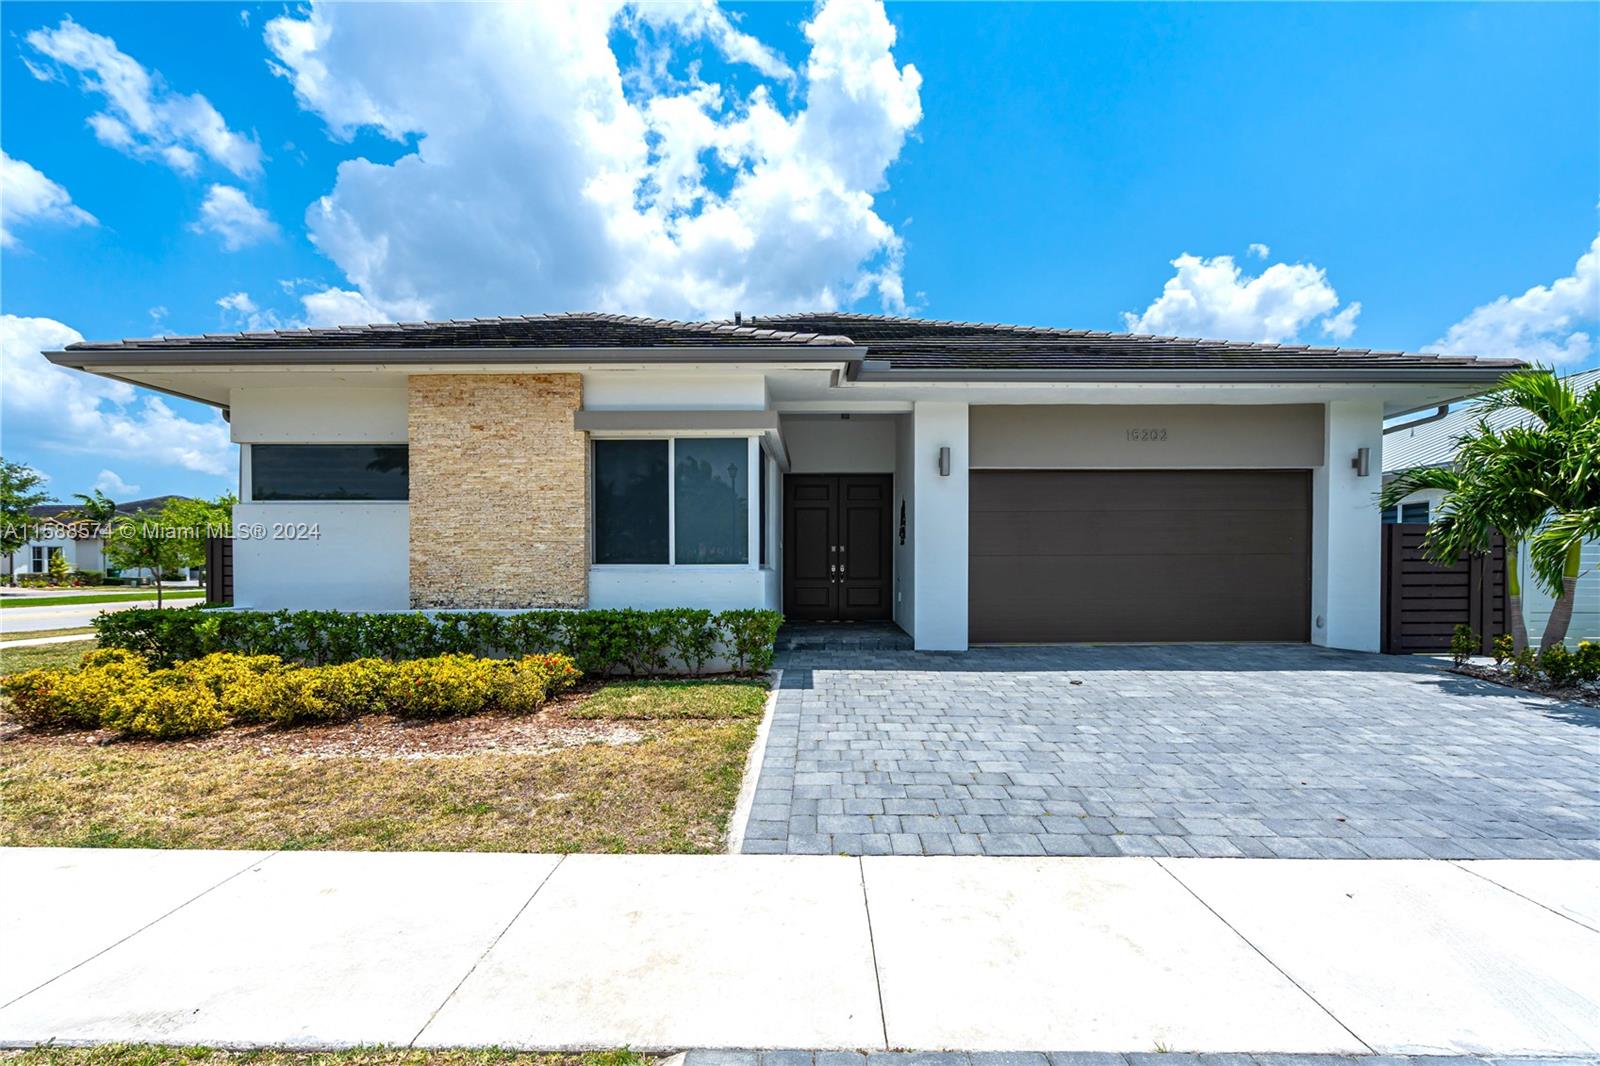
<point x="1260" y="251"/>
<point x="536" y="183"/>
<point x="238" y="223"/>
<point x="69" y="411"/>
<point x="26" y="195"/>
<point x="345" y="307"/>
<point x="1548" y="324"/>
<point x="109" y="483"/>
<point x="1214" y="298"/>
<point x="237" y="301"/>
<point x="143" y="117"/>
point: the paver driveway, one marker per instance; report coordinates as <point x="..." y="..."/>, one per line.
<point x="1169" y="750"/>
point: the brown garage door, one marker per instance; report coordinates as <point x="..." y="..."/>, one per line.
<point x="1140" y="555"/>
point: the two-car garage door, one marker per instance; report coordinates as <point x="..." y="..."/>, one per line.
<point x="1140" y="555"/>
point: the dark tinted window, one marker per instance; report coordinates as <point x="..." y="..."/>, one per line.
<point x="762" y="503"/>
<point x="712" y="508"/>
<point x="329" y="471"/>
<point x="630" y="501"/>
<point x="1414" y="512"/>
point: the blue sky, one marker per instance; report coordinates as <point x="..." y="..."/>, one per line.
<point x="1038" y="163"/>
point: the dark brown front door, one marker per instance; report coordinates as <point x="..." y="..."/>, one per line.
<point x="1140" y="555"/>
<point x="836" y="546"/>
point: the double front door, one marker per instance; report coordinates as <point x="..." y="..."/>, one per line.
<point x="837" y="562"/>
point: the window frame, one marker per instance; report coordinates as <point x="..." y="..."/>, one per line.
<point x="755" y="456"/>
<point x="247" y="472"/>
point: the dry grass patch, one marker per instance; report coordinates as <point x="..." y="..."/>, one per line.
<point x="666" y="700"/>
<point x="162" y="1055"/>
<point x="555" y="781"/>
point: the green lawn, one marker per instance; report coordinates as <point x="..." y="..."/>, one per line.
<point x="675" y="699"/>
<point x="65" y="654"/>
<point x="70" y="599"/>
<point x="163" y="1055"/>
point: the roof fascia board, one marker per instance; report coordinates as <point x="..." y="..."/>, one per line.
<point x="1408" y="375"/>
<point x="827" y="354"/>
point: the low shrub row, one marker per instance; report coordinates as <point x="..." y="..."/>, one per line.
<point x="640" y="643"/>
<point x="118" y="689"/>
<point x="1555" y="665"/>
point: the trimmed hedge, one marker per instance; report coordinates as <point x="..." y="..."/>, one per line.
<point x="117" y="689"/>
<point x="640" y="643"/>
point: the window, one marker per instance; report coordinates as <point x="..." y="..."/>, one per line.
<point x="329" y="472"/>
<point x="630" y="501"/>
<point x="684" y="501"/>
<point x="1414" y="512"/>
<point x="1390" y="516"/>
<point x="38" y="566"/>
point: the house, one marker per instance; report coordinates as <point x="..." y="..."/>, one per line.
<point x="58" y="531"/>
<point x="1432" y="442"/>
<point x="972" y="483"/>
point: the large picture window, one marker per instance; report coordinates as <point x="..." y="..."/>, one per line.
<point x="684" y="501"/>
<point x="329" y="472"/>
<point x="630" y="501"/>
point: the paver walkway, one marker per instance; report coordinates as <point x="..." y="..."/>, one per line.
<point x="1224" y="751"/>
<point x="327" y="949"/>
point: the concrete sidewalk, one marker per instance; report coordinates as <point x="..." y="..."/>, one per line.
<point x="665" y="952"/>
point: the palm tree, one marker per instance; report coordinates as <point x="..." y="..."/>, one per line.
<point x="98" y="510"/>
<point x="1531" y="482"/>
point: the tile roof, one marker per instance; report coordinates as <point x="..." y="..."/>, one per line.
<point x="907" y="348"/>
<point x="921" y="344"/>
<point x="574" y="330"/>
<point x="1434" y="443"/>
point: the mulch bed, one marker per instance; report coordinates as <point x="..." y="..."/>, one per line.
<point x="1587" y="695"/>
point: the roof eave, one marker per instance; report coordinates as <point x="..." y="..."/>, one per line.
<point x="1474" y="376"/>
<point x="825" y="354"/>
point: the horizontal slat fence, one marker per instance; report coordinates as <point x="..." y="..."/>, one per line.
<point x="1424" y="602"/>
<point x="219" y="569"/>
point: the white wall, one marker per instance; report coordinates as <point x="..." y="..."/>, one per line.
<point x="828" y="444"/>
<point x="940" y="566"/>
<point x="717" y="588"/>
<point x="905" y="555"/>
<point x="318" y="415"/>
<point x="1191" y="436"/>
<point x="620" y="390"/>
<point x="357" y="561"/>
<point x="1346" y="534"/>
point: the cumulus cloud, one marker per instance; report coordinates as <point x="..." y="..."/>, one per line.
<point x="535" y="182"/>
<point x="1215" y="298"/>
<point x="109" y="483"/>
<point x="74" y="412"/>
<point x="26" y="195"/>
<point x="1548" y="324"/>
<point x="1260" y="251"/>
<point x="228" y="213"/>
<point x="143" y="117"/>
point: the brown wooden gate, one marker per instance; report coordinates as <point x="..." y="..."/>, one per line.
<point x="1423" y="602"/>
<point x="219" y="569"/>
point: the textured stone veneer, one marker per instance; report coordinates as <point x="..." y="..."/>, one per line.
<point x="499" y="491"/>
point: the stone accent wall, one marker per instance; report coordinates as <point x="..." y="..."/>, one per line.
<point x="499" y="491"/>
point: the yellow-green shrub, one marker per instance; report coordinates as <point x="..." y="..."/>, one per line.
<point x="242" y="683"/>
<point x="164" y="703"/>
<point x="316" y="693"/>
<point x="525" y="684"/>
<point x="443" y="686"/>
<point x="37" y="698"/>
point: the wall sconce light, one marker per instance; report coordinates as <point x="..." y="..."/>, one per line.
<point x="944" y="462"/>
<point x="1361" y="462"/>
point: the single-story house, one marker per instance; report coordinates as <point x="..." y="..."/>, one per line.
<point x="58" y="530"/>
<point x="972" y="483"/>
<point x="1433" y="442"/>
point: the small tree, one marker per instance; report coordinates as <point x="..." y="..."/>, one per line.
<point x="196" y="520"/>
<point x="59" y="570"/>
<point x="1534" y="482"/>
<point x="144" y="541"/>
<point x="20" y="492"/>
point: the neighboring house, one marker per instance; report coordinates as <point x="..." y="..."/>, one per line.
<point x="57" y="530"/>
<point x="1433" y="443"/>
<point x="973" y="483"/>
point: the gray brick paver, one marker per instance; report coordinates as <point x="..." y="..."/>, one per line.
<point x="1270" y="751"/>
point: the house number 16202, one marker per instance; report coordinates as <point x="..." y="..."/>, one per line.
<point x="1148" y="434"/>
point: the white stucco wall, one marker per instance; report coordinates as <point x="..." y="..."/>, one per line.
<point x="828" y="444"/>
<point x="357" y="561"/>
<point x="318" y="415"/>
<point x="621" y="390"/>
<point x="1346" y="535"/>
<point x="717" y="588"/>
<point x="940" y="565"/>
